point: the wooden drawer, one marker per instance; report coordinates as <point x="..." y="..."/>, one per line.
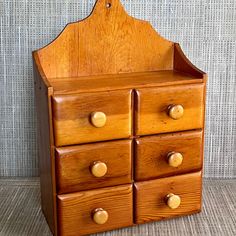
<point x="83" y="118"/>
<point x="156" y="106"/>
<point x="168" y="154"/>
<point x="91" y="166"/>
<point x="75" y="211"/>
<point x="151" y="197"/>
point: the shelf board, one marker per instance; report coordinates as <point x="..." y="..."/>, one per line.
<point x="121" y="81"/>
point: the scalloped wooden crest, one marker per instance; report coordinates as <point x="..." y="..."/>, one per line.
<point x="109" y="41"/>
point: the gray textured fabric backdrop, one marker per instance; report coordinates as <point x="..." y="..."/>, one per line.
<point x="205" y="29"/>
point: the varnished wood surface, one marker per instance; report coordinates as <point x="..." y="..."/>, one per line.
<point x="151" y="112"/>
<point x="90" y="73"/>
<point x="76" y="210"/>
<point x="150" y="197"/>
<point x="73" y="165"/>
<point x="71" y="116"/>
<point x="45" y="152"/>
<point x="151" y="154"/>
<point x="120" y="81"/>
<point x="107" y="42"/>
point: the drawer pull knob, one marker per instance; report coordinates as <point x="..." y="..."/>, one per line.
<point x="176" y="112"/>
<point x="99" y="169"/>
<point x="100" y="216"/>
<point x="175" y="159"/>
<point x="173" y="201"/>
<point x="98" y="119"/>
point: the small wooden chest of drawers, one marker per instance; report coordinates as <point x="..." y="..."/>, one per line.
<point x="121" y="125"/>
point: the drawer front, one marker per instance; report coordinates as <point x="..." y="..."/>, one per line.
<point x="153" y="199"/>
<point x="85" y="118"/>
<point x="91" y="166"/>
<point x="76" y="211"/>
<point x="168" y="109"/>
<point x="168" y="154"/>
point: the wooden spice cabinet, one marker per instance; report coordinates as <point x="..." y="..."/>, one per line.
<point x="121" y="125"/>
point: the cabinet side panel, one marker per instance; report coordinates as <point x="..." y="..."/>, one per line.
<point x="183" y="64"/>
<point x="204" y="120"/>
<point x="45" y="150"/>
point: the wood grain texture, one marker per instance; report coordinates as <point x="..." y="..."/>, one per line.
<point x="150" y="197"/>
<point x="107" y="42"/>
<point x="151" y="154"/>
<point x="121" y="81"/>
<point x="73" y="165"/>
<point x="151" y="112"/>
<point x="45" y="153"/>
<point x="75" y="210"/>
<point x="109" y="77"/>
<point x="71" y="116"/>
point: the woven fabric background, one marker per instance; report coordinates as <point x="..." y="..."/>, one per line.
<point x="205" y="29"/>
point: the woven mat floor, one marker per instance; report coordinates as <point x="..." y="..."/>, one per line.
<point x="20" y="213"/>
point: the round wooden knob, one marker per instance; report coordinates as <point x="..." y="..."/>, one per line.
<point x="100" y="216"/>
<point x="176" y="112"/>
<point x="99" y="169"/>
<point x="175" y="159"/>
<point x="173" y="201"/>
<point x="98" y="119"/>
